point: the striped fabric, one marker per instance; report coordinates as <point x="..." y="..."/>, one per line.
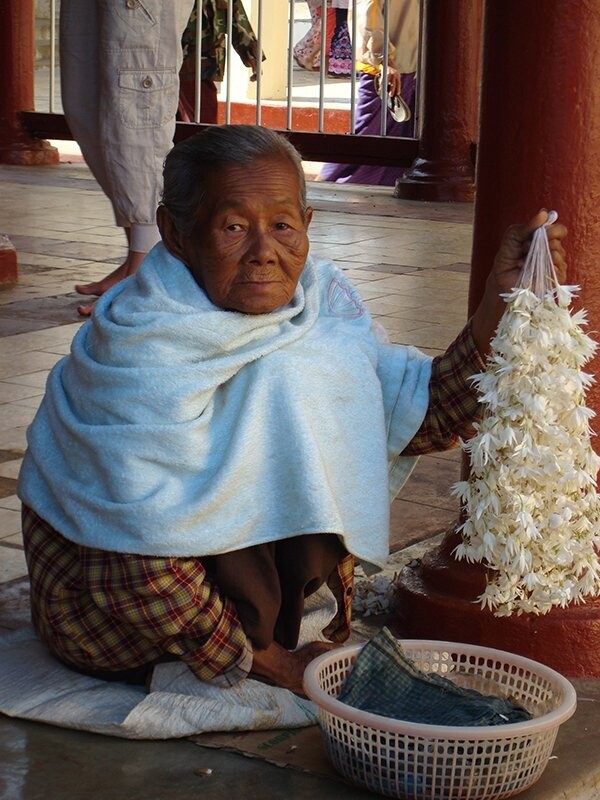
<point x="453" y="401"/>
<point x="101" y="610"/>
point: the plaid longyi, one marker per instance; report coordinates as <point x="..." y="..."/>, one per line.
<point x="102" y="610"/>
<point x="453" y="401"/>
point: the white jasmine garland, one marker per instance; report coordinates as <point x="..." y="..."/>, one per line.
<point x="532" y="514"/>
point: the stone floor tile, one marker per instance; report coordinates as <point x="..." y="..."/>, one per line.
<point x="428" y="351"/>
<point x="12" y="414"/>
<point x="11" y="392"/>
<point x="407" y="311"/>
<point x="371" y="292"/>
<point x="98" y="239"/>
<point x="413" y="522"/>
<point x="54" y="262"/>
<point x="431" y="483"/>
<point x="19" y="343"/>
<point x="35" y="379"/>
<point x="349" y="252"/>
<point x="23" y="364"/>
<point x="12" y="502"/>
<point x="13" y="438"/>
<point x="9" y="455"/>
<point x="8" y="487"/>
<point x="385" y="304"/>
<point x="15" y="609"/>
<point x="67" y="226"/>
<point x="395" y="325"/>
<point x="43" y="311"/>
<point x="385" y="270"/>
<point x="55" y="335"/>
<point x="365" y="275"/>
<point x="10" y="522"/>
<point x="12" y="563"/>
<point x="438" y="337"/>
<point x="10" y="469"/>
<point x="61" y="349"/>
<point x="104" y="230"/>
<point x="463" y="267"/>
<point x="14" y="540"/>
<point x="350" y="234"/>
<point x="448" y="455"/>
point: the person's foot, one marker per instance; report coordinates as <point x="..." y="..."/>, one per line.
<point x="128" y="267"/>
<point x="86" y="310"/>
<point x="99" y="287"/>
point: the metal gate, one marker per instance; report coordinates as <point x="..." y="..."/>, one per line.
<point x="317" y="113"/>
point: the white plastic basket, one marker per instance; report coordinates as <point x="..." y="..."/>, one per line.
<point x="428" y="762"/>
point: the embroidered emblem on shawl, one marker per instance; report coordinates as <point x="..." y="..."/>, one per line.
<point x="342" y="302"/>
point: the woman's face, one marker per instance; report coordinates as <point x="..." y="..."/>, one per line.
<point x="249" y="240"/>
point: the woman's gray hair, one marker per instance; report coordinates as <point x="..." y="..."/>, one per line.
<point x="191" y="164"/>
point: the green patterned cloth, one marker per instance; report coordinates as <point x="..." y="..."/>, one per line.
<point x="214" y="40"/>
<point x="385" y="681"/>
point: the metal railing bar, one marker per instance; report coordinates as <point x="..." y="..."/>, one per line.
<point x="198" y="65"/>
<point x="290" y="65"/>
<point x="229" y="52"/>
<point x="419" y="87"/>
<point x="322" y="66"/>
<point x="52" y="79"/>
<point x="383" y="88"/>
<point x="259" y="32"/>
<point x="353" y="72"/>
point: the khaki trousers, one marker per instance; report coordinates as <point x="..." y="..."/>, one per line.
<point x="120" y="62"/>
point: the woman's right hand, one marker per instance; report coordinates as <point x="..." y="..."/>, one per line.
<point x="280" y="667"/>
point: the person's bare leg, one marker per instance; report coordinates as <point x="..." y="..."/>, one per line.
<point x="128" y="267"/>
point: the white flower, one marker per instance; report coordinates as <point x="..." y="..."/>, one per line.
<point x="373" y="595"/>
<point x="532" y="514"/>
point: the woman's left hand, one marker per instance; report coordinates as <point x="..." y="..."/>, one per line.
<point x="506" y="271"/>
<point x="514" y="248"/>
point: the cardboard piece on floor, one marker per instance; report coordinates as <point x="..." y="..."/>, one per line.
<point x="296" y="748"/>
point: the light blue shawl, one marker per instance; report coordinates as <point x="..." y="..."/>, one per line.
<point x="175" y="428"/>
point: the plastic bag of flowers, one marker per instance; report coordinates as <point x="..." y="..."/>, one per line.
<point x="530" y="502"/>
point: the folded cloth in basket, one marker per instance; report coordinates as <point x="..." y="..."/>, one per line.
<point x="385" y="681"/>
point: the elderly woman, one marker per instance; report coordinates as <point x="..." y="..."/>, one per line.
<point x="223" y="438"/>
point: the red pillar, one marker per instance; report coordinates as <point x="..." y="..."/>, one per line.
<point x="8" y="262"/>
<point x="539" y="146"/>
<point x="17" y="44"/>
<point x="449" y="83"/>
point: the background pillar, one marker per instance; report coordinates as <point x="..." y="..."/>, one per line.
<point x="539" y="146"/>
<point x="274" y="67"/>
<point x="17" y="43"/>
<point x="448" y="93"/>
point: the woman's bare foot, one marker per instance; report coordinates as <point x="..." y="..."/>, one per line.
<point x="128" y="267"/>
<point x="279" y="667"/>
